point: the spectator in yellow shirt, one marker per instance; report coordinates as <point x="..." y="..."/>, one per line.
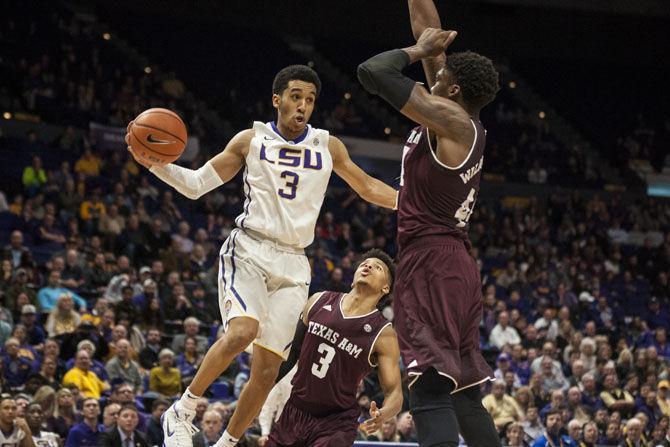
<point x="34" y="175"/>
<point x="88" y="164"/>
<point x="83" y="378"/>
<point x="663" y="397"/>
<point x="92" y="208"/>
<point x="165" y="379"/>
<point x="502" y="407"/>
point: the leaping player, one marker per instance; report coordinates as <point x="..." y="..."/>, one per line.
<point x="264" y="277"/>
<point x="338" y="341"/>
<point x="438" y="300"/>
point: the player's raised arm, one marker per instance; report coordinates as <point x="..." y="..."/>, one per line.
<point x="217" y="171"/>
<point x="388" y="358"/>
<point x="382" y="75"/>
<point x="369" y="188"/>
<point x="423" y="14"/>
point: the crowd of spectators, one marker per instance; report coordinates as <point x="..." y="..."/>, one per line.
<point x="61" y="67"/>
<point x="110" y="284"/>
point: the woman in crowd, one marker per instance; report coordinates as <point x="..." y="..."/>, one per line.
<point x="63" y="319"/>
<point x="165" y="379"/>
<point x="65" y="413"/>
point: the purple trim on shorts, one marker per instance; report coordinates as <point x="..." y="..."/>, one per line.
<point x="232" y="279"/>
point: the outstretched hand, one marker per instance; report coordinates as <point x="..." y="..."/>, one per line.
<point x="375" y="422"/>
<point x="434" y="42"/>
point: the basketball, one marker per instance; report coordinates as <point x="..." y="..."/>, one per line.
<point x="158" y="135"/>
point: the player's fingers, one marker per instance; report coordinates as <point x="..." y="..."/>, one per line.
<point x="450" y="37"/>
<point x="130" y="124"/>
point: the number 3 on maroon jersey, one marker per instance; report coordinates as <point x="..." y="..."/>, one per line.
<point x="320" y="369"/>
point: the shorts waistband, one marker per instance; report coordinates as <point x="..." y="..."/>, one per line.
<point x="431" y="241"/>
<point x="258" y="237"/>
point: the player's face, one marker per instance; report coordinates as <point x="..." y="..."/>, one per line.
<point x="8" y="411"/>
<point x="295" y="105"/>
<point x="445" y="85"/>
<point x="34" y="415"/>
<point x="373" y="273"/>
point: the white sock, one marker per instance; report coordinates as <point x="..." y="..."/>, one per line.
<point x="188" y="400"/>
<point x="227" y="440"/>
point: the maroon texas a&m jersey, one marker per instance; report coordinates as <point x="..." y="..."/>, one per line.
<point x="436" y="199"/>
<point x="335" y="357"/>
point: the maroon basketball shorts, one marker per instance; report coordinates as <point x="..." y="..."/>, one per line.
<point x="438" y="307"/>
<point x="298" y="428"/>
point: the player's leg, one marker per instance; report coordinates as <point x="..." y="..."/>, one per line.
<point x="433" y="412"/>
<point x="427" y="321"/>
<point x="264" y="369"/>
<point x="177" y="419"/>
<point x="287" y="277"/>
<point x="291" y="428"/>
<point x="242" y="300"/>
<point x="241" y="333"/>
<point x="475" y="422"/>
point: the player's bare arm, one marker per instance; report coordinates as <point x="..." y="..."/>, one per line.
<point x="369" y="188"/>
<point x="382" y="75"/>
<point x="423" y="14"/>
<point x="388" y="357"/>
<point x="296" y="344"/>
<point x="220" y="169"/>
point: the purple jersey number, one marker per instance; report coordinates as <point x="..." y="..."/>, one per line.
<point x="288" y="192"/>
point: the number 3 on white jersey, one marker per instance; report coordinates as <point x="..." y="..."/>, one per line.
<point x="465" y="211"/>
<point x="320" y="370"/>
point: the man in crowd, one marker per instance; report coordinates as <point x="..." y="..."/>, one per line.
<point x="211" y="428"/>
<point x="125" y="434"/>
<point x="122" y="367"/>
<point x="83" y="378"/>
<point x="86" y="433"/>
<point x="35" y="418"/>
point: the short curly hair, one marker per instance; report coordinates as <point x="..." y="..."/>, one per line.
<point x="476" y="76"/>
<point x="385" y="258"/>
<point x="295" y="73"/>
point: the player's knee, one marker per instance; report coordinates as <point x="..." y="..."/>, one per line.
<point x="242" y="334"/>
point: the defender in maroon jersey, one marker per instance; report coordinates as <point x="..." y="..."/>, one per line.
<point x="338" y="341"/>
<point x="438" y="300"/>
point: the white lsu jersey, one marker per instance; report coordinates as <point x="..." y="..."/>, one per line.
<point x="285" y="183"/>
<point x="12" y="439"/>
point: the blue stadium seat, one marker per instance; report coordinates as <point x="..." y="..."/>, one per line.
<point x="220" y="390"/>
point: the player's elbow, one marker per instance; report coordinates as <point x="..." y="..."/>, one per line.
<point x="367" y="77"/>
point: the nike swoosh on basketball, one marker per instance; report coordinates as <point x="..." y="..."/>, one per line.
<point x="151" y="139"/>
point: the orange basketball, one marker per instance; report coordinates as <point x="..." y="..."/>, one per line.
<point x="158" y="135"/>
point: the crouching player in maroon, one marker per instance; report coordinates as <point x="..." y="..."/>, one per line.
<point x="438" y="299"/>
<point x="338" y="341"/>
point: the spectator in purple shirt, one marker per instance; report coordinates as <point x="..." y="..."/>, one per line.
<point x="15" y="369"/>
<point x="86" y="433"/>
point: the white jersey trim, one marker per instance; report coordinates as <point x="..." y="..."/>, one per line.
<point x="339" y="305"/>
<point x="372" y="346"/>
<point x="472" y="148"/>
